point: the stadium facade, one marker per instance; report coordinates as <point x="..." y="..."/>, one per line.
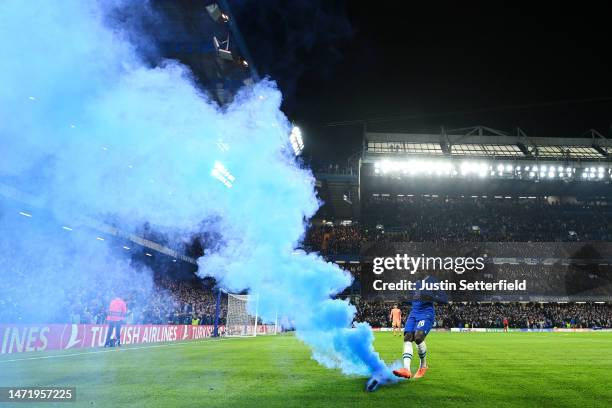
<point x="478" y="168"/>
<point x="476" y="160"/>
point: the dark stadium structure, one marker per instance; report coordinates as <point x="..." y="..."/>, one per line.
<point x="538" y="208"/>
<point x="204" y="36"/>
<point x="475" y="161"/>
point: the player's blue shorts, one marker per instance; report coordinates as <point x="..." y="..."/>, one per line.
<point x="419" y="323"/>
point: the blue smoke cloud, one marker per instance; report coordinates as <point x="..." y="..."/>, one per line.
<point x="91" y="131"/>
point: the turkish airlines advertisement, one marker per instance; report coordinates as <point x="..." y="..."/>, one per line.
<point x="22" y="338"/>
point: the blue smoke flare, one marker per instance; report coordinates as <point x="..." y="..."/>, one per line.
<point x="91" y="131"/>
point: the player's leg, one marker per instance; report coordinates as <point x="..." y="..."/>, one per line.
<point x="407" y="352"/>
<point x="109" y="332"/>
<point x="419" y="339"/>
<point x="113" y="329"/>
<point x="118" y="333"/>
<point x="423" y="328"/>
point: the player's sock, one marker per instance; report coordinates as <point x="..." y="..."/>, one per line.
<point x="407" y="356"/>
<point x="422" y="350"/>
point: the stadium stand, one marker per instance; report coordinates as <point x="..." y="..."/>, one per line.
<point x="460" y="219"/>
<point x="169" y="302"/>
<point x="539" y="206"/>
<point x="435" y="218"/>
<point x="491" y="315"/>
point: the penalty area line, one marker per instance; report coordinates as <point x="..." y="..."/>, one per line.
<point x="115" y="349"/>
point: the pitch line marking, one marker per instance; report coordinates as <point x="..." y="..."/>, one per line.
<point x="114" y="350"/>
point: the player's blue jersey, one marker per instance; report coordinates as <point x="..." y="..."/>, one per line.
<point x="423" y="299"/>
<point x="420" y="308"/>
<point x="422" y="314"/>
<point x="421" y="317"/>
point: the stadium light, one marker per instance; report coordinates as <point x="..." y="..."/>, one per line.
<point x="222" y="48"/>
<point x="297" y="143"/>
<point x="220" y="173"/>
<point x="438" y="167"/>
<point x="214" y="11"/>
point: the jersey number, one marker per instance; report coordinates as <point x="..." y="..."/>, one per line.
<point x="421" y="323"/>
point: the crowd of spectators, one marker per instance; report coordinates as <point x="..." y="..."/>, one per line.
<point x="451" y="220"/>
<point x="169" y="302"/>
<point x="329" y="239"/>
<point x="514" y="225"/>
<point x="492" y="315"/>
<point x="166" y="301"/>
<point x="438" y="218"/>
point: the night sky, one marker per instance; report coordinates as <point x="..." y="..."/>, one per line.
<point x="431" y="64"/>
<point x="357" y="60"/>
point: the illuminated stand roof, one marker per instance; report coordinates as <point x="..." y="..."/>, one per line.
<point x="484" y="142"/>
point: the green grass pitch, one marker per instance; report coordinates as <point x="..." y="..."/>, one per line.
<point x="466" y="369"/>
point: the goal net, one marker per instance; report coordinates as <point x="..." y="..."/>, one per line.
<point x="242" y="318"/>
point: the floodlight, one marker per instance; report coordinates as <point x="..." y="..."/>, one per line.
<point x="297" y="143"/>
<point x="222" y="174"/>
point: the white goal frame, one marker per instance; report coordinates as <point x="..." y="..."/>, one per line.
<point x="239" y="322"/>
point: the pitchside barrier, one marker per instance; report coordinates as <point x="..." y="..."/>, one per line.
<point x="526" y="330"/>
<point x="498" y="330"/>
<point x="17" y="338"/>
<point x="401" y="329"/>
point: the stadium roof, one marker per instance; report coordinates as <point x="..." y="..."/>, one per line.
<point x="480" y="141"/>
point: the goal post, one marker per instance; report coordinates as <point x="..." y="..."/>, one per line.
<point x="243" y="318"/>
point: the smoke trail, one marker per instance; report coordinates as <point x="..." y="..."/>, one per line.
<point x="88" y="128"/>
